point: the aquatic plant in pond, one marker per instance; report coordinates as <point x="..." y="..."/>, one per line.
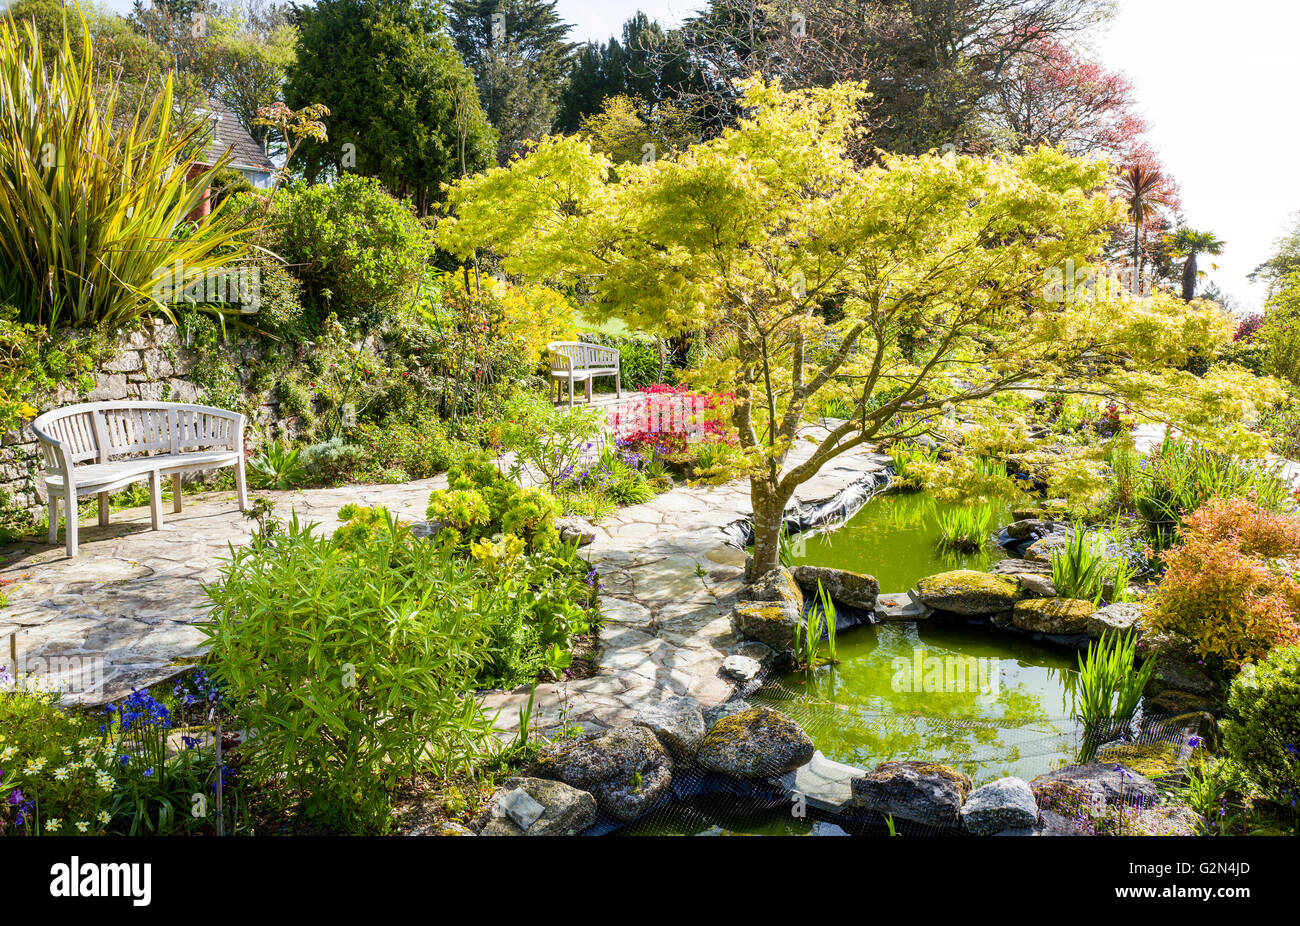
<point x="965" y="529"/>
<point x="819" y="623"/>
<point x="1109" y="689"/>
<point x="1085" y="569"/>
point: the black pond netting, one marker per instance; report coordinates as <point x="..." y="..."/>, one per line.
<point x="983" y="748"/>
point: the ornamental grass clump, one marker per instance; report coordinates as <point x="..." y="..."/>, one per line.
<point x="1230" y="584"/>
<point x="95" y="201"/>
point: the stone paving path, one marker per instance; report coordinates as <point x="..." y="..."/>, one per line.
<point x="128" y="602"/>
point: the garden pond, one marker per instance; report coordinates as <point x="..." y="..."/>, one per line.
<point x="986" y="703"/>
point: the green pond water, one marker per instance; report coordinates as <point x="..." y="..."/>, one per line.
<point x="894" y="537"/>
<point x="986" y="703"/>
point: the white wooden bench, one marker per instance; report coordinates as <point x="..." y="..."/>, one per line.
<point x="578" y="361"/>
<point x="97" y="447"/>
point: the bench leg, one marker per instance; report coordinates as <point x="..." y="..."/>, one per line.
<point x="176" y="493"/>
<point x="241" y="485"/>
<point x="70" y="525"/>
<point x="53" y="508"/>
<point x="618" y="384"/>
<point x="103" y="509"/>
<point x="155" y="500"/>
<point x="570" y="391"/>
<point x="590" y="380"/>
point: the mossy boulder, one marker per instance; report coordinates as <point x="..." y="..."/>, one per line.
<point x="1154" y="760"/>
<point x="1176" y="703"/>
<point x="539" y="807"/>
<point x="965" y="591"/>
<point x="850" y="588"/>
<point x="755" y="743"/>
<point x="923" y="792"/>
<point x="778" y="586"/>
<point x="1053" y="615"/>
<point x="627" y="769"/>
<point x="770" y="622"/>
<point x="1104" y="785"/>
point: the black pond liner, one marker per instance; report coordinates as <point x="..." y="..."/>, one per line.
<point x="824" y="513"/>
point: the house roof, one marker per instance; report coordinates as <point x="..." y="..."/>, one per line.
<point x="229" y="135"/>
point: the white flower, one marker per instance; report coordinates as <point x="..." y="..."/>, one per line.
<point x="61" y="774"/>
<point x="53" y="824"/>
<point x="83" y="827"/>
<point x="103" y="816"/>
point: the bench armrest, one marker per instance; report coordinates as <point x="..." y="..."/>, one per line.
<point x="58" y="461"/>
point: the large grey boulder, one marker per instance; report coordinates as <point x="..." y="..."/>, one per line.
<point x="1020" y="567"/>
<point x="965" y="591"/>
<point x="850" y="588"/>
<point x="627" y="769"/>
<point x="755" y="743"/>
<point x="678" y="722"/>
<point x="1173" y="673"/>
<point x="1121" y="617"/>
<point x="741" y="668"/>
<point x="539" y="807"/>
<point x="1007" y="803"/>
<point x="923" y="792"/>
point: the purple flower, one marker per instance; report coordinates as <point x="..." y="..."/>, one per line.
<point x="16" y="796"/>
<point x="1195" y="742"/>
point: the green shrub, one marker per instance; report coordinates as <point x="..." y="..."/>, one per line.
<point x="420" y="448"/>
<point x="276" y="467"/>
<point x="551" y="440"/>
<point x="640" y="360"/>
<point x="365" y="679"/>
<point x="358" y="251"/>
<point x="1262" y="729"/>
<point x="332" y="460"/>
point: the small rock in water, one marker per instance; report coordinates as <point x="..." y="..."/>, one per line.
<point x="741" y="668"/>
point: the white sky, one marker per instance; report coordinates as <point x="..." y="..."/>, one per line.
<point x="1215" y="80"/>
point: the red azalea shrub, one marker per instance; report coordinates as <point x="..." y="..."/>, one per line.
<point x="666" y="420"/>
<point x="1230" y="583"/>
<point x="1248" y="326"/>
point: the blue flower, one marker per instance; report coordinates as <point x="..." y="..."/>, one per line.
<point x="1195" y="742"/>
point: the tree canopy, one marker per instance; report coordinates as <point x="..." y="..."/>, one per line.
<point x="906" y="288"/>
<point x="403" y="106"/>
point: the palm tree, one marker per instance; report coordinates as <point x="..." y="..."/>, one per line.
<point x="1143" y="189"/>
<point x="1188" y="243"/>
